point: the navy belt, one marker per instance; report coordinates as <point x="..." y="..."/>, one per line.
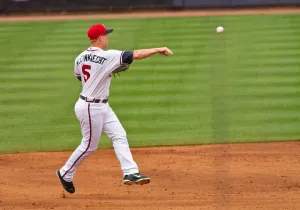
<point x="94" y="100"/>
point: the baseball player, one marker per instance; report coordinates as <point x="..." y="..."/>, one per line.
<point x="94" y="68"/>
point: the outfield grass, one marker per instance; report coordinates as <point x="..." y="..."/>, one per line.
<point x="240" y="86"/>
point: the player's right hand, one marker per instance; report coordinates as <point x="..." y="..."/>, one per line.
<point x="165" y="51"/>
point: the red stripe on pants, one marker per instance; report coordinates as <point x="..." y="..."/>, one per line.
<point x="90" y="122"/>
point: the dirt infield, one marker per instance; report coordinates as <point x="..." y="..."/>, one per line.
<point x="241" y="176"/>
<point x="150" y="14"/>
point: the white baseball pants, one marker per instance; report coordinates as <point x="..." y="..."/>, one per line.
<point x="95" y="118"/>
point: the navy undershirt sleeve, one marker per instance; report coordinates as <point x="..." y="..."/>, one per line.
<point x="127" y="57"/>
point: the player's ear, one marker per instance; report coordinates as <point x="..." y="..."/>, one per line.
<point x="99" y="39"/>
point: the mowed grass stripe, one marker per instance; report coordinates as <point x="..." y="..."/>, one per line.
<point x="68" y="38"/>
<point x="38" y="62"/>
<point x="285" y="44"/>
<point x="41" y="66"/>
<point x="62" y="50"/>
<point x="31" y="75"/>
<point x="282" y="71"/>
<point x="268" y="52"/>
<point x="190" y="128"/>
<point x="191" y="59"/>
<point x="268" y="128"/>
<point x="33" y="83"/>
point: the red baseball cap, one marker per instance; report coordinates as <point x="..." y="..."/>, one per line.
<point x="98" y="30"/>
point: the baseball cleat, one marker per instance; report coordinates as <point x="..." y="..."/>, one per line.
<point x="68" y="186"/>
<point x="136" y="178"/>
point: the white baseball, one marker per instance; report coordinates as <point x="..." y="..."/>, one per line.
<point x="220" y="29"/>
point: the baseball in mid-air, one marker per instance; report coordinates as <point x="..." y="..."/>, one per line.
<point x="220" y="30"/>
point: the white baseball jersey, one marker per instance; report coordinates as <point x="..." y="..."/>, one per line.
<point x="95" y="67"/>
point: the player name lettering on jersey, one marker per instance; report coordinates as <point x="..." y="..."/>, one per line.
<point x="91" y="58"/>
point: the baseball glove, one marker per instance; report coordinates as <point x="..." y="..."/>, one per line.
<point x="121" y="68"/>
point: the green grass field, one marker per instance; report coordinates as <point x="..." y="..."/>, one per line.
<point x="240" y="86"/>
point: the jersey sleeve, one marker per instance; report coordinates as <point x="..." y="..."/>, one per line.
<point x="127" y="57"/>
<point x="114" y="60"/>
<point x="76" y="69"/>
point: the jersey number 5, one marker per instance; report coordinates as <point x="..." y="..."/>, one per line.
<point x="85" y="69"/>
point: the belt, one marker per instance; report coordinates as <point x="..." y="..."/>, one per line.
<point x="94" y="100"/>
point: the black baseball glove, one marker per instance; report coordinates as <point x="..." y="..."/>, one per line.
<point x="121" y="68"/>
